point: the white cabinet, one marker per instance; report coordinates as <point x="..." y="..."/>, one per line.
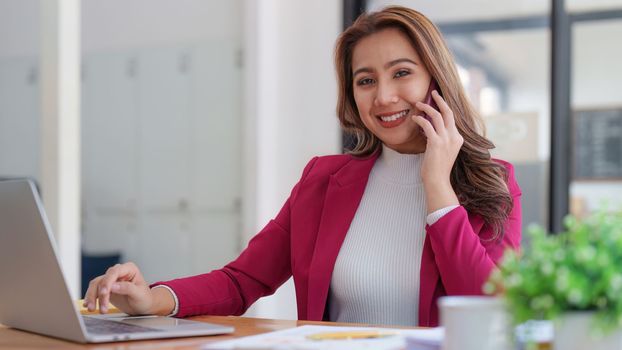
<point x="165" y="149"/>
<point x="161" y="157"/>
<point x="110" y="156"/>
<point x="19" y="117"/>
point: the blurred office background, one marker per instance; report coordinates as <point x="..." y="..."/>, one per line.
<point x="196" y="117"/>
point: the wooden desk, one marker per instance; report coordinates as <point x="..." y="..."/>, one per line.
<point x="14" y="339"/>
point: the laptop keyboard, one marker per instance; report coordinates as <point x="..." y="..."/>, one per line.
<point x="101" y="326"/>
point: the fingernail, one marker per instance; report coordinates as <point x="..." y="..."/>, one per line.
<point x="91" y="306"/>
<point x="115" y="287"/>
<point x="103" y="309"/>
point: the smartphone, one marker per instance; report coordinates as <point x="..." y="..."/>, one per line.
<point x="428" y="97"/>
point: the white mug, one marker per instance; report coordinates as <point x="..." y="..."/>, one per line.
<point x="474" y="323"/>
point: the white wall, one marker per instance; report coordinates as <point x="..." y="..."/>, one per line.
<point x="291" y="98"/>
<point x="60" y="126"/>
<point x="20" y="98"/>
<point x="116" y="24"/>
<point x="39" y="83"/>
<point x="19" y="28"/>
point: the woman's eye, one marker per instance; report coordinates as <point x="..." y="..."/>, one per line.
<point x="365" y="81"/>
<point x="401" y="73"/>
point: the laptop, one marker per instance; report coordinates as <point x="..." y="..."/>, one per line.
<point x="33" y="290"/>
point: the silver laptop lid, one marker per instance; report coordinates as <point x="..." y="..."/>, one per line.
<point x="33" y="292"/>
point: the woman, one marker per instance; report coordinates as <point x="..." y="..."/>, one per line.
<point x="418" y="210"/>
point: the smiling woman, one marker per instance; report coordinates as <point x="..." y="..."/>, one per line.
<point x="417" y="211"/>
<point x="385" y="63"/>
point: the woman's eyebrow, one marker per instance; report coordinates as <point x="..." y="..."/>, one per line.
<point x="386" y="66"/>
<point x="362" y="70"/>
<point x="399" y="60"/>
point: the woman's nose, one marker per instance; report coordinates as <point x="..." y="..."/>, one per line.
<point x="385" y="95"/>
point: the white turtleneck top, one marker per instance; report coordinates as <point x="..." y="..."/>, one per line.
<point x="376" y="274"/>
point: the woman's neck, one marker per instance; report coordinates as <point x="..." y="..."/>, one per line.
<point x="410" y="148"/>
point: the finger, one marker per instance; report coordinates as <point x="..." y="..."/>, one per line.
<point x="448" y="114"/>
<point x="435" y="116"/>
<point x="125" y="272"/>
<point x="120" y="272"/>
<point x="103" y="295"/>
<point x="121" y="294"/>
<point x="425" y="124"/>
<point x="124" y="288"/>
<point x="90" y="298"/>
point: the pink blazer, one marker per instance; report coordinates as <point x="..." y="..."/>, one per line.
<point x="303" y="241"/>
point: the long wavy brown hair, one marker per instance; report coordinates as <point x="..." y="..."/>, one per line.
<point x="479" y="181"/>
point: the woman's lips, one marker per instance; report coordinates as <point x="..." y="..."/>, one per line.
<point x="392" y="120"/>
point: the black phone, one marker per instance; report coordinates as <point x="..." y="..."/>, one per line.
<point x="429" y="99"/>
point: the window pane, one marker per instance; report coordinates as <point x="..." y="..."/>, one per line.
<point x="597" y="116"/>
<point x="592" y="5"/>
<point x="452" y="10"/>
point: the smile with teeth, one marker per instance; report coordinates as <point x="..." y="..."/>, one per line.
<point x="394" y="117"/>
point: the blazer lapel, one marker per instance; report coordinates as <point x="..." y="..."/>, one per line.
<point x="343" y="195"/>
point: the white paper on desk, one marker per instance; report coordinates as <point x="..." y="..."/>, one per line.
<point x="295" y="339"/>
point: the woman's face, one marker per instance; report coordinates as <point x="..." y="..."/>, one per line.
<point x="389" y="78"/>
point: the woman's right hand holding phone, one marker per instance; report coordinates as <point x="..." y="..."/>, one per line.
<point x="443" y="143"/>
<point x="124" y="286"/>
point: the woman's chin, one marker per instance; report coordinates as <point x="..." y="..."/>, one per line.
<point x="409" y="146"/>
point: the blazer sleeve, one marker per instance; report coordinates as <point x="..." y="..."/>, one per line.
<point x="466" y="258"/>
<point x="259" y="270"/>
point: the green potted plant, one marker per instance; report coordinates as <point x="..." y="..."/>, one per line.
<point x="573" y="278"/>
